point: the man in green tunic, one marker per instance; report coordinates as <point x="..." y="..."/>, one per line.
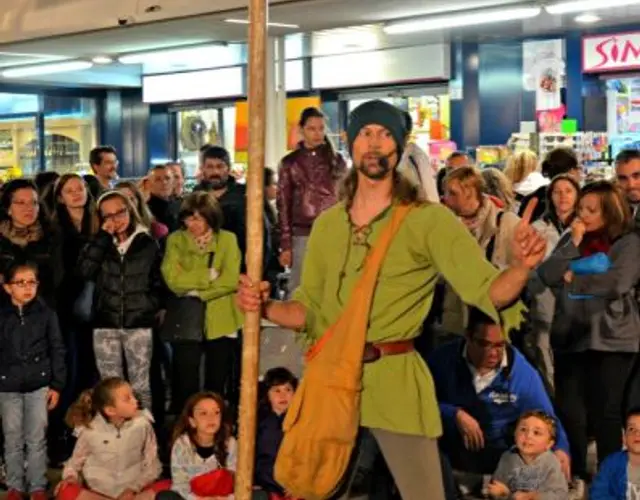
<point x="398" y="400"/>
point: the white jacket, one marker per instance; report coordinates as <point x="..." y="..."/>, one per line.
<point x="111" y="460"/>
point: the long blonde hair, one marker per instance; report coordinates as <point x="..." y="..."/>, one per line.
<point x="404" y="191"/>
<point x="520" y="165"/>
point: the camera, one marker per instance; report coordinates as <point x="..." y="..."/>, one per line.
<point x="125" y="21"/>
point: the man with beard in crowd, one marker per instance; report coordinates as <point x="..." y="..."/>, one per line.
<point x="628" y="175"/>
<point x="215" y="169"/>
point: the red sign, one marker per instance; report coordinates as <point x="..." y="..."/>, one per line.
<point x="617" y="52"/>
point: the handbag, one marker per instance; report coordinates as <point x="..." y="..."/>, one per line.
<point x="217" y="483"/>
<point x="83" y="305"/>
<point x="186" y="316"/>
<point x="184" y="320"/>
<point x="322" y="423"/>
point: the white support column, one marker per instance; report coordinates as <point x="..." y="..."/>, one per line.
<point x="276" y="132"/>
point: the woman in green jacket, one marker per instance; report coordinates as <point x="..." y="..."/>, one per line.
<point x="203" y="261"/>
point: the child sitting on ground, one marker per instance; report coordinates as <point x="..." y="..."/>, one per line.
<point x="530" y="471"/>
<point x="203" y="456"/>
<point x="116" y="455"/>
<point x="279" y="386"/>
<point x="33" y="361"/>
<point x="619" y="475"/>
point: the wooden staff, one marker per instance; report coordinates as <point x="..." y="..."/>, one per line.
<point x="255" y="231"/>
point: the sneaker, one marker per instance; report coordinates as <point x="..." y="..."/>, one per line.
<point x="15" y="495"/>
<point x="577" y="489"/>
<point x="39" y="495"/>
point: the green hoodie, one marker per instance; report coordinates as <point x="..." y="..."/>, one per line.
<point x="186" y="269"/>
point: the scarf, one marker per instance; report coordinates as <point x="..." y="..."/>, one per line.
<point x="594" y="243"/>
<point x="21" y="236"/>
<point x="482" y="224"/>
<point x="202" y="241"/>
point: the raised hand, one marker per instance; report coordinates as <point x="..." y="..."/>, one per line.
<point x="577" y="231"/>
<point x="528" y="246"/>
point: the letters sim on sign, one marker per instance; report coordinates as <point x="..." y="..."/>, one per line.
<point x="614" y="50"/>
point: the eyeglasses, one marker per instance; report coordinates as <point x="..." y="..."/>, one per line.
<point x="488" y="345"/>
<point x="25" y="283"/>
<point x="120" y="214"/>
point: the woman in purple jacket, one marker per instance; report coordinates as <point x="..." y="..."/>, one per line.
<point x="307" y="185"/>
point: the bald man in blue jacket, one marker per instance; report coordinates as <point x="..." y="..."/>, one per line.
<point x="483" y="384"/>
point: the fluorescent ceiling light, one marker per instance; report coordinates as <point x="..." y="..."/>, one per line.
<point x="439" y="22"/>
<point x="587" y="19"/>
<point x="203" y="52"/>
<point x="46" y="69"/>
<point x="102" y="60"/>
<point x="582" y="5"/>
<point x="274" y="25"/>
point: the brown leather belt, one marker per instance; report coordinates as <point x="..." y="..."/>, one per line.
<point x="373" y="352"/>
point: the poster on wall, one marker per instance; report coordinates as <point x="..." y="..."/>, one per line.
<point x="550" y="120"/>
<point x="295" y="106"/>
<point x="544" y="72"/>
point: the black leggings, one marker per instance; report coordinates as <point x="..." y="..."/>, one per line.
<point x="591" y="383"/>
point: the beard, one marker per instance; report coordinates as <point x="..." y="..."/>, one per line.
<point x="217" y="182"/>
<point x="375" y="166"/>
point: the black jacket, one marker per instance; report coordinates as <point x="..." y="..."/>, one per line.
<point x="166" y="212"/>
<point x="45" y="253"/>
<point x="32" y="353"/>
<point x="129" y="286"/>
<point x="71" y="243"/>
<point x="268" y="440"/>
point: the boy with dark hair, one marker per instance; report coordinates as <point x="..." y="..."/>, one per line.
<point x="279" y="385"/>
<point x="619" y="475"/>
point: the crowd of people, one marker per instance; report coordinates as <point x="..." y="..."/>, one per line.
<point x="123" y="308"/>
<point x="117" y="317"/>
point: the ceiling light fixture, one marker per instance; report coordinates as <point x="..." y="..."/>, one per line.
<point x="582" y="5"/>
<point x="202" y="52"/>
<point x="439" y="22"/>
<point x="102" y="60"/>
<point x="273" y="25"/>
<point x="587" y="19"/>
<point x="46" y="69"/>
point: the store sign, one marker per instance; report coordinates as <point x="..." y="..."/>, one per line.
<point x="617" y="52"/>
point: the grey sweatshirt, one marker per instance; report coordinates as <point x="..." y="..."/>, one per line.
<point x="543" y="475"/>
<point x="606" y="321"/>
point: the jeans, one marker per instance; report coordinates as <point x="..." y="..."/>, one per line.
<point x="24" y="424"/>
<point x="137" y="344"/>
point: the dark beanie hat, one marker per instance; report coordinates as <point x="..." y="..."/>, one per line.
<point x="379" y="113"/>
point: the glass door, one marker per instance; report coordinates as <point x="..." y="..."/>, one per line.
<point x="19" y="146"/>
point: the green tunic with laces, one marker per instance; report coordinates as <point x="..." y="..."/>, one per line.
<point x="398" y="391"/>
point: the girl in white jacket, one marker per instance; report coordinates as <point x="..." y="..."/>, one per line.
<point x="204" y="454"/>
<point x="116" y="454"/>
